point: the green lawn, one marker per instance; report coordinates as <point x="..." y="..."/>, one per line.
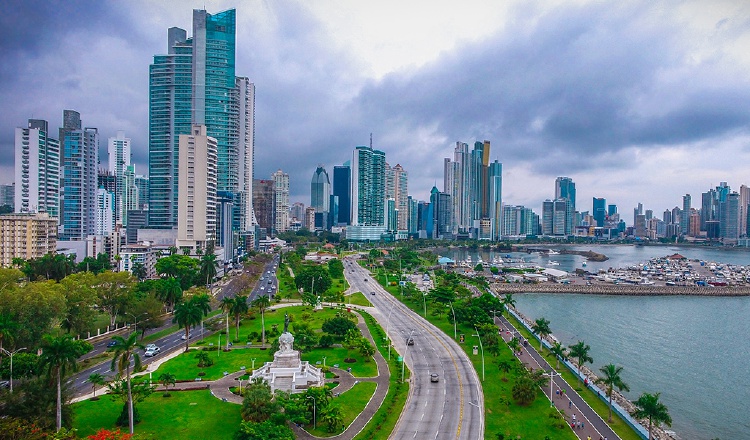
<point x="336" y="356"/>
<point x="358" y="299"/>
<point x="351" y="403"/>
<point x="185" y="366"/>
<point x="186" y="414"/>
<point x="382" y="423"/>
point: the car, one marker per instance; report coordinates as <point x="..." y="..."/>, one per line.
<point x="4" y="384"/>
<point x="434" y="377"/>
<point x="409" y="341"/>
<point x="365" y="279"/>
<point x="262" y="287"/>
<point x="372" y="293"/>
<point x="111" y="343"/>
<point x="152" y="352"/>
<point x="151" y="347"/>
<point x="189" y="335"/>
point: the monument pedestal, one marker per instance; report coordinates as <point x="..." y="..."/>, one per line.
<point x="287" y="372"/>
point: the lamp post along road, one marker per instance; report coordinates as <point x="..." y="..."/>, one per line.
<point x="315" y="420"/>
<point x="455" y="335"/>
<point x="482" y="349"/>
<point x="11" y="354"/>
<point x="135" y="319"/>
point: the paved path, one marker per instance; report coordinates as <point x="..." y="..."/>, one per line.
<point x="571" y="404"/>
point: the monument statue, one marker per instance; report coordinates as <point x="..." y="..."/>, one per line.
<point x="286" y="323"/>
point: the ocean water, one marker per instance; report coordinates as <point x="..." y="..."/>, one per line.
<point x="695" y="351"/>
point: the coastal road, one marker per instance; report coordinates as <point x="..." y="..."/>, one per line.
<point x="79" y="382"/>
<point x="452" y="407"/>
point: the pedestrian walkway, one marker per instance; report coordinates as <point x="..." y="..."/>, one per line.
<point x="568" y="401"/>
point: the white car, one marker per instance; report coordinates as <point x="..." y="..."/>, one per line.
<point x="152" y="352"/>
<point x="151" y="347"/>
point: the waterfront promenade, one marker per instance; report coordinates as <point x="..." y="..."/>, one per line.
<point x="618" y="289"/>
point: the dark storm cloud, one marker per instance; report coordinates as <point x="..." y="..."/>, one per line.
<point x="568" y="91"/>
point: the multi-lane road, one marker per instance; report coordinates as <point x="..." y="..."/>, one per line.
<point x="452" y="407"/>
<point x="172" y="342"/>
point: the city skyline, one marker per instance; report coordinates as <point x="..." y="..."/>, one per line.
<point x="605" y="95"/>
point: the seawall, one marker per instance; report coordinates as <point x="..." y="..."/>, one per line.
<point x="619" y="289"/>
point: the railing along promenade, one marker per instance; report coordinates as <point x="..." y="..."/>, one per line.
<point x="619" y="289"/>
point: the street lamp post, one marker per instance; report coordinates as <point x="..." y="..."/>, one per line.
<point x="253" y="366"/>
<point x="11" y="354"/>
<point x="315" y="421"/>
<point x="218" y="347"/>
<point x="481" y="348"/>
<point x="403" y="361"/>
<point x="424" y="302"/>
<point x="387" y="326"/>
<point x="455" y="335"/>
<point x="552" y="373"/>
<point x="324" y="361"/>
<point x="135" y="319"/>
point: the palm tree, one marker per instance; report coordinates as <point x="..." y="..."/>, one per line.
<point x="514" y="344"/>
<point x="169" y="291"/>
<point x="508" y="302"/>
<point x="58" y="355"/>
<point x="650" y="408"/>
<point x="541" y="328"/>
<point x="262" y="303"/>
<point x="124" y="350"/>
<point x="580" y="352"/>
<point x="187" y="314"/>
<point x="96" y="380"/>
<point x="333" y="417"/>
<point x="167" y="379"/>
<point x="612" y="379"/>
<point x="239" y="307"/>
<point x="559" y="351"/>
<point x="505" y="367"/>
<point x="208" y="265"/>
<point x="8" y="325"/>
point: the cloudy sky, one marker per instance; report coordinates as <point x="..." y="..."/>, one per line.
<point x="637" y="101"/>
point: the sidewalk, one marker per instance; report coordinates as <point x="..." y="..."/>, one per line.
<point x="570" y="404"/>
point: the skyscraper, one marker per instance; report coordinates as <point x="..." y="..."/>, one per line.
<point x="80" y="155"/>
<point x="342" y="188"/>
<point x="565" y="188"/>
<point x="8" y="195"/>
<point x="368" y="187"/>
<point x="320" y="190"/>
<point x="37" y="170"/>
<point x="599" y="211"/>
<point x="195" y="82"/>
<point x="118" y="150"/>
<point x="495" y="183"/>
<point x="401" y="196"/>
<point x="685" y="217"/>
<point x="456" y="182"/>
<point x="281" y="201"/>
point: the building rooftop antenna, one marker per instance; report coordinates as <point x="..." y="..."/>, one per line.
<point x="370" y="140"/>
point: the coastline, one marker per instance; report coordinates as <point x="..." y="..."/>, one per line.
<point x="619" y="289"/>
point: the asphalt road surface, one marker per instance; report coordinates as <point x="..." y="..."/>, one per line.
<point x="167" y="344"/>
<point x="452" y="407"/>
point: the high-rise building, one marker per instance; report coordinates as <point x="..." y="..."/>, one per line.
<point x="264" y="203"/>
<point x="80" y="156"/>
<point x="441" y="211"/>
<point x="599" y="210"/>
<point x="297" y="211"/>
<point x="456" y="182"/>
<point x="141" y="184"/>
<point x="565" y="188"/>
<point x="548" y="215"/>
<point x="8" y="196"/>
<point x="560" y="216"/>
<point x="196" y="225"/>
<point x="495" y="182"/>
<point x="281" y="201"/>
<point x="105" y="212"/>
<point x="368" y="187"/>
<point x="743" y="209"/>
<point x="401" y="196"/>
<point x="118" y="150"/>
<point x="685" y="219"/>
<point x="195" y="83"/>
<point x="342" y="188"/>
<point x="27" y="236"/>
<point x="729" y="218"/>
<point x="611" y="210"/>
<point x="320" y="190"/>
<point x="37" y="170"/>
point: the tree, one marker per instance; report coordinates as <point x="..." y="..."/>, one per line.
<point x="505" y="366"/>
<point x="332" y="416"/>
<point x="649" y="407"/>
<point x="58" y="355"/>
<point x="96" y="380"/>
<point x="8" y="327"/>
<point x="508" y="302"/>
<point x="167" y="379"/>
<point x="123" y="351"/>
<point x="51" y="266"/>
<point x="336" y="268"/>
<point x="541" y="328"/>
<point x="186" y="315"/>
<point x="127" y="392"/>
<point x="80" y="297"/>
<point x="236" y="307"/>
<point x="204" y="359"/>
<point x="258" y="405"/>
<point x="113" y="293"/>
<point x="180" y="267"/>
<point x="559" y="351"/>
<point x="313" y="279"/>
<point x="208" y="266"/>
<point x="366" y="350"/>
<point x="514" y="344"/>
<point x="524" y="390"/>
<point x="580" y="352"/>
<point x="139" y="271"/>
<point x="338" y="326"/>
<point x="612" y="380"/>
<point x="262" y="303"/>
<point x="443" y="294"/>
<point x="169" y="291"/>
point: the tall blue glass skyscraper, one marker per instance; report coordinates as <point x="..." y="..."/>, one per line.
<point x="342" y="188"/>
<point x="195" y="83"/>
<point x="80" y="156"/>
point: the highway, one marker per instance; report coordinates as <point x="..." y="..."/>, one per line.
<point x="452" y="407"/>
<point x="170" y="343"/>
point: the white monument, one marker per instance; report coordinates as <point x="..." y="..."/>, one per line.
<point x="287" y="372"/>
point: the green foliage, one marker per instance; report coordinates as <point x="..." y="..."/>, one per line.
<point x="305" y="339"/>
<point x="442" y="294"/>
<point x="35" y="402"/>
<point x="326" y="341"/>
<point x="58" y="355"/>
<point x="649" y="407"/>
<point x="180" y="267"/>
<point x="258" y="405"/>
<point x="204" y="359"/>
<point x="580" y="352"/>
<point x="27" y="312"/>
<point x="612" y="379"/>
<point x="336" y="268"/>
<point x="124" y="420"/>
<point x="479" y="268"/>
<point x="49" y="267"/>
<point x="267" y="430"/>
<point x="338" y="326"/>
<point x="96" y="265"/>
<point x="313" y="279"/>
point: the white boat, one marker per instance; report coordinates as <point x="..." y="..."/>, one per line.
<point x="553" y="252"/>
